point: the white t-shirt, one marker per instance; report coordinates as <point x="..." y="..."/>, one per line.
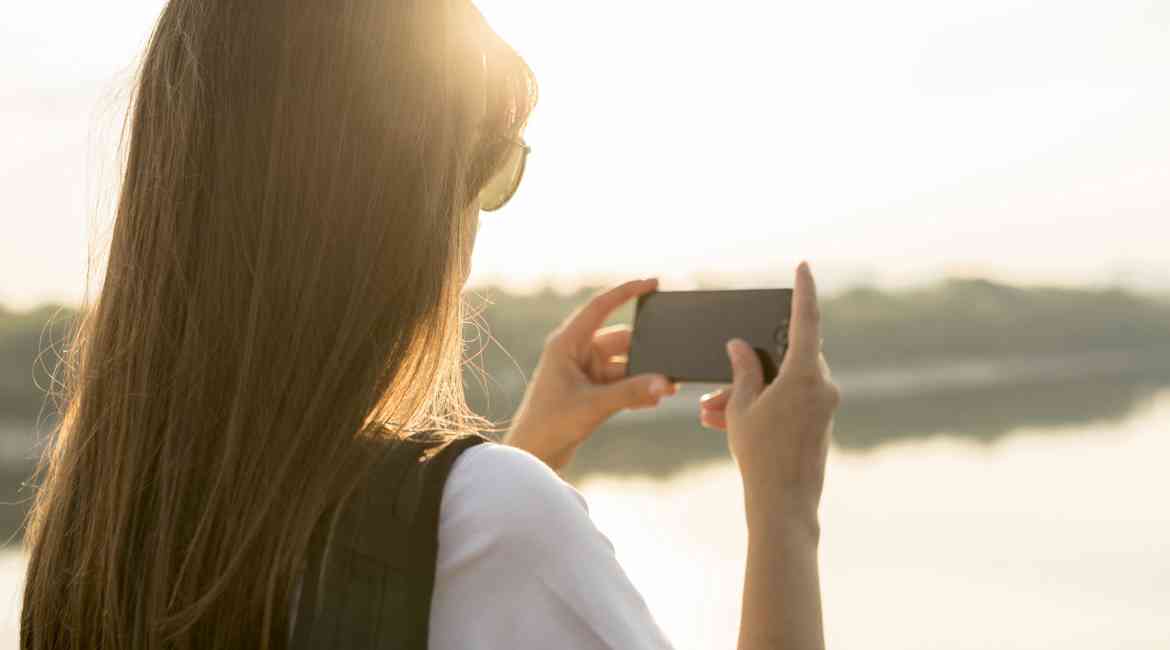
<point x="521" y="564"/>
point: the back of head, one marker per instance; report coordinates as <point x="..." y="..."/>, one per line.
<point x="294" y="228"/>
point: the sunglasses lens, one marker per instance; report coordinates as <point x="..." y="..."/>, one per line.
<point x="503" y="185"/>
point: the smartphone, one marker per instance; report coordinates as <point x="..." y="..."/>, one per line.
<point x="684" y="334"/>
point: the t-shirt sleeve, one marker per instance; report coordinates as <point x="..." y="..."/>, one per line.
<point x="521" y="564"/>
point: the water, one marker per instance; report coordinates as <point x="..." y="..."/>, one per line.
<point x="11" y="586"/>
<point x="1012" y="517"/>
<point x="1052" y="537"/>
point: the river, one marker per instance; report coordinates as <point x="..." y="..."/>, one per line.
<point x="1009" y="517"/>
<point x="1050" y="537"/>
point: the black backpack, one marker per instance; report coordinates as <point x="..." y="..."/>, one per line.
<point x="379" y="580"/>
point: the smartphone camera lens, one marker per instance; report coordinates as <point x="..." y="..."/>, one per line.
<point x="781" y="334"/>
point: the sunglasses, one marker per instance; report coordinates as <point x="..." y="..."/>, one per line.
<point x="502" y="187"/>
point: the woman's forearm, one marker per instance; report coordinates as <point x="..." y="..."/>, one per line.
<point x="781" y="594"/>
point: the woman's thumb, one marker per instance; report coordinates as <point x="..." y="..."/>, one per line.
<point x="634" y="392"/>
<point x="747" y="375"/>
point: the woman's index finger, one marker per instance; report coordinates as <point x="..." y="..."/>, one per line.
<point x="804" y="335"/>
<point x="589" y="318"/>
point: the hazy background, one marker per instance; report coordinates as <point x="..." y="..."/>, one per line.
<point x="890" y="141"/>
<point x="982" y="187"/>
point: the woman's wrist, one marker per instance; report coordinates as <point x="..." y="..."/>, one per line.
<point x="792" y="516"/>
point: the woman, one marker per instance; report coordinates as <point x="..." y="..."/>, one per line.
<point x="280" y="323"/>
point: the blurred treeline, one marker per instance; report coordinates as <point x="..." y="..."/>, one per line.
<point x="863" y="329"/>
<point x="29" y="344"/>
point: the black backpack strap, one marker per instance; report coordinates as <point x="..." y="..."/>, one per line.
<point x="426" y="528"/>
<point x="380" y="573"/>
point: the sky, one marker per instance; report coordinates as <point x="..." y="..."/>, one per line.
<point x="717" y="143"/>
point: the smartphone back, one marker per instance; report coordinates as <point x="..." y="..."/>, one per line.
<point x="683" y="334"/>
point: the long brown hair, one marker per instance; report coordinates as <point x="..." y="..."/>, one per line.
<point x="283" y="284"/>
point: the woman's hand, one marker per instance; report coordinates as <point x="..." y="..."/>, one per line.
<point x="779" y="436"/>
<point x="779" y="433"/>
<point x="581" y="380"/>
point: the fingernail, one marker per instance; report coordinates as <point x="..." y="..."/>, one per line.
<point x="658" y="387"/>
<point x="706" y="396"/>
